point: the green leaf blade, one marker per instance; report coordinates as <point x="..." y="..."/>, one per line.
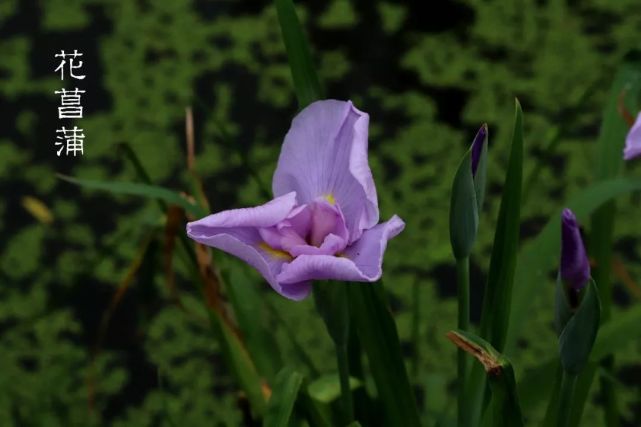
<point x="577" y="338"/>
<point x="377" y="331"/>
<point x="284" y="394"/>
<point x="137" y="189"/>
<point x="498" y="297"/>
<point x="306" y="82"/>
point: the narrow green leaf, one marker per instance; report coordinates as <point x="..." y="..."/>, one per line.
<point x="284" y="395"/>
<point x="298" y="349"/>
<point x="136" y="189"/>
<point x="581" y="393"/>
<point x="306" y="82"/>
<point x="498" y="294"/>
<point x="240" y="363"/>
<point x="497" y="300"/>
<point x="129" y="153"/>
<point x="504" y="408"/>
<point x="464" y="216"/>
<point x="577" y="338"/>
<point x="332" y="303"/>
<point x="377" y="331"/>
<point x="249" y="311"/>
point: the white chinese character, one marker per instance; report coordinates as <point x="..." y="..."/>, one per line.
<point x="70" y="104"/>
<point x="73" y="141"/>
<point x="72" y="66"/>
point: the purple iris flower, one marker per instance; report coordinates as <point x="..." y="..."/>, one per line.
<point x="477" y="147"/>
<point x="323" y="222"/>
<point x="575" y="265"/>
<point x="633" y="140"/>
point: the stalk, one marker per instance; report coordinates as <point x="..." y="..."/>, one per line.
<point x="343" y="372"/>
<point x="463" y="292"/>
<point x="568" y="382"/>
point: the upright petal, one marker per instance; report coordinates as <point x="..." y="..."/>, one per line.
<point x="325" y="155"/>
<point x="633" y="140"/>
<point x="236" y="232"/>
<point x="361" y="262"/>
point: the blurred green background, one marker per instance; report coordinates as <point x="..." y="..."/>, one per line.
<point x="428" y="77"/>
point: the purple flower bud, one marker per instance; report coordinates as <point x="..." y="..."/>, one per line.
<point x="477" y="147"/>
<point x="575" y="265"/>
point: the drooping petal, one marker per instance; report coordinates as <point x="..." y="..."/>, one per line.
<point x="321" y="267"/>
<point x="325" y="155"/>
<point x="361" y="262"/>
<point x="575" y="265"/>
<point x="264" y="215"/>
<point x="633" y="140"/>
<point x="367" y="253"/>
<point x="236" y="233"/>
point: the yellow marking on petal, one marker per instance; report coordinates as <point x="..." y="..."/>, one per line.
<point x="275" y="253"/>
<point x="330" y="198"/>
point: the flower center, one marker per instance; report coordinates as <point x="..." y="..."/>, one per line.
<point x="317" y="228"/>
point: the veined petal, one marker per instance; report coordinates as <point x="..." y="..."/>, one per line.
<point x="362" y="262"/>
<point x="235" y="232"/>
<point x="320" y="267"/>
<point x="264" y="215"/>
<point x="367" y="253"/>
<point x="331" y="245"/>
<point x="325" y="155"/>
<point x="633" y="140"/>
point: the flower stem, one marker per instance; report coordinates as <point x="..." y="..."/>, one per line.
<point x="463" y="292"/>
<point x="568" y="382"/>
<point x="416" y="331"/>
<point x="346" y="391"/>
<point x="332" y="302"/>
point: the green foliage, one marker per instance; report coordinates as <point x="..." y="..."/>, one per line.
<point x="228" y="61"/>
<point x="464" y="211"/>
<point x="578" y="335"/>
<point x="281" y="404"/>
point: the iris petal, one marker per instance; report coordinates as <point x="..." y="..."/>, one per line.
<point x="362" y="262"/>
<point x="325" y="155"/>
<point x="235" y="232"/>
